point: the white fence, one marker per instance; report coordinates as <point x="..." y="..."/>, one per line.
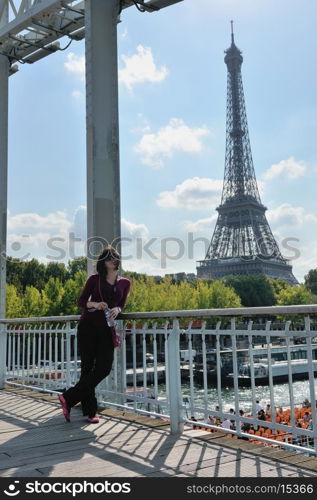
<point x="182" y="365"/>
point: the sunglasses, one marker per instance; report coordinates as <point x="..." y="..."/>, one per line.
<point x="111" y="258"/>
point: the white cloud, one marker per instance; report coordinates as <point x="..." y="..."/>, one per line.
<point x="40" y="245"/>
<point x="176" y="136"/>
<point x="35" y="240"/>
<point x="140" y="68"/>
<point x="196" y="193"/>
<point x="302" y="266"/>
<point x="76" y="65"/>
<point x="288" y="216"/>
<point x="130" y="229"/>
<point x="33" y="235"/>
<point x="79" y="226"/>
<point x="290" y="168"/>
<point x="49" y="237"/>
<point x="201" y="225"/>
<point x="54" y="221"/>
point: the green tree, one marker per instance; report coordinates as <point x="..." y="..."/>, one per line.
<point x="187" y="296"/>
<point x="13" y="302"/>
<point x="279" y="285"/>
<point x="252" y="290"/>
<point x="15" y="269"/>
<point x="147" y="295"/>
<point x="34" y="274"/>
<point x="80" y="278"/>
<point x="166" y="298"/>
<point x="76" y="265"/>
<point x="294" y="295"/>
<point x="223" y="296"/>
<point x="70" y="297"/>
<point x="33" y="302"/>
<point x="56" y="270"/>
<point x="148" y="290"/>
<point x="311" y="281"/>
<point x="138" y="297"/>
<point x="54" y="292"/>
<point x="203" y="294"/>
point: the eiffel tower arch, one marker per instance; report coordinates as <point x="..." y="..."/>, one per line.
<point x="242" y="242"/>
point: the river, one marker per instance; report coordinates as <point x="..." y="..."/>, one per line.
<point x="281" y="395"/>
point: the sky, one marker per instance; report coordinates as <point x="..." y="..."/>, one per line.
<point x="172" y="98"/>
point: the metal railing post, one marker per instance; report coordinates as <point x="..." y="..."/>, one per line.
<point x="3" y="354"/>
<point x="311" y="379"/>
<point x="68" y="353"/>
<point x="122" y="364"/>
<point x="174" y="380"/>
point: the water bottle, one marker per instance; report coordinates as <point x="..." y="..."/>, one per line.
<point x="109" y="318"/>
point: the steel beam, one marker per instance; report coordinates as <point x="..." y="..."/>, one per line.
<point x="37" y="25"/>
<point x="23" y="20"/>
<point x="102" y="121"/>
<point x="4" y="78"/>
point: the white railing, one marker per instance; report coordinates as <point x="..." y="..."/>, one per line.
<point x="186" y="365"/>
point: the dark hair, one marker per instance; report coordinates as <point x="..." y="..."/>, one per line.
<point x="108" y="253"/>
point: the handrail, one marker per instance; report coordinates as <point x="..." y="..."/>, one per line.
<point x="41" y="350"/>
<point x="229" y="312"/>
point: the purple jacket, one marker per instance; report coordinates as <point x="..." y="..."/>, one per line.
<point x="115" y="296"/>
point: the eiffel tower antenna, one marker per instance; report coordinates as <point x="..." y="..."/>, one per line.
<point x="232" y="34"/>
<point x="242" y="242"/>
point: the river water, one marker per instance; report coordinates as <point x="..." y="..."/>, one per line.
<point x="280" y="391"/>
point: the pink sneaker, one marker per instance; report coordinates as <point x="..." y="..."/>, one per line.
<point x="66" y="411"/>
<point x="93" y="420"/>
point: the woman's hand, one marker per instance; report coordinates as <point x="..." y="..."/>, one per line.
<point x="115" y="311"/>
<point x="100" y="306"/>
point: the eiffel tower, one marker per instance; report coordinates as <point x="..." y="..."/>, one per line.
<point x="242" y="242"/>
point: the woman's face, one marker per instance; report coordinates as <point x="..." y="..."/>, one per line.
<point x="112" y="265"/>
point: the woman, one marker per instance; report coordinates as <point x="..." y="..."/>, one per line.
<point x="102" y="290"/>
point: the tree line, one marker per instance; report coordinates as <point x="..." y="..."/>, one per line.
<point x="36" y="289"/>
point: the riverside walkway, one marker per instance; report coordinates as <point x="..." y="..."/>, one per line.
<point x="35" y="441"/>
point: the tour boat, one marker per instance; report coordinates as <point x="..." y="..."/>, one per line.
<point x="280" y="371"/>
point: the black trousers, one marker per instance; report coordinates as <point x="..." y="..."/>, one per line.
<point x="96" y="353"/>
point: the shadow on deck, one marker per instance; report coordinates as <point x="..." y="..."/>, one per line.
<point x="36" y="441"/>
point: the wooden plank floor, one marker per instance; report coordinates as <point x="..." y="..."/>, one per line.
<point x="36" y="441"/>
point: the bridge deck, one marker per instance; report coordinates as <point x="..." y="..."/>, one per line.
<point x="36" y="441"/>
